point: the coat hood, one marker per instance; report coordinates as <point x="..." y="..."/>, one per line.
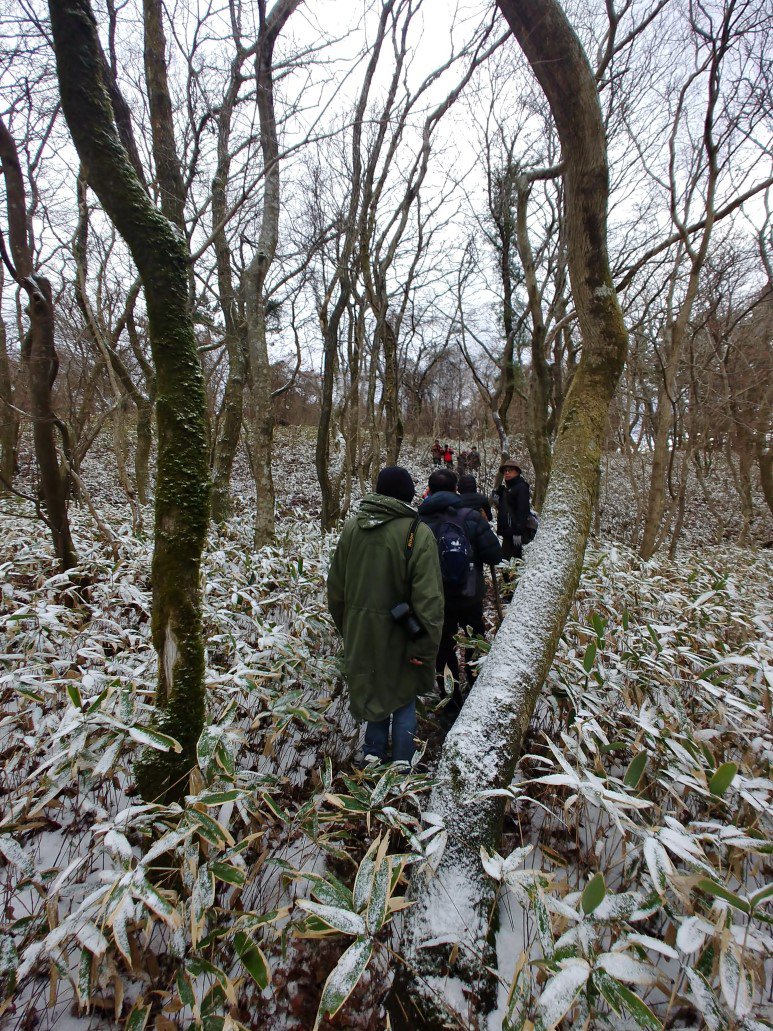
<point x="439" y="502"/>
<point x="377" y="509"/>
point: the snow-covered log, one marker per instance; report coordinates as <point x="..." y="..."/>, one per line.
<point x="448" y="932"/>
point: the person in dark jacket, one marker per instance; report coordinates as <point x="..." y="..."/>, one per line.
<point x="459" y="612"/>
<point x="375" y="568"/>
<point x="472" y="498"/>
<point x="513" y="508"/>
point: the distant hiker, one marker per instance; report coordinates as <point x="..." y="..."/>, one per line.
<point x="437" y="453"/>
<point x="472" y="498"/>
<point x="461" y="464"/>
<point x="448" y="456"/>
<point x="465" y="542"/>
<point x="473" y="459"/>
<point x="385" y="594"/>
<point x="513" y="509"/>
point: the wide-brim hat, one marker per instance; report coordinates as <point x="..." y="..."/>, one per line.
<point x="510" y="464"/>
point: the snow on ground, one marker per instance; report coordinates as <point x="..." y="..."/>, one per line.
<point x="665" y="660"/>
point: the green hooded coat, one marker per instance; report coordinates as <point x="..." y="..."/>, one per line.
<point x="368" y="576"/>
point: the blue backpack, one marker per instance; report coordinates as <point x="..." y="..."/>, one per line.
<point x="457" y="560"/>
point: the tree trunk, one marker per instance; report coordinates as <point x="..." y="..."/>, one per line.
<point x="38" y="355"/>
<point x="170" y="180"/>
<point x="393" y="423"/>
<point x="182" y="489"/>
<point x="482" y="748"/>
<point x="537" y="437"/>
<point x="262" y="429"/>
<point x="9" y="420"/>
<point x="232" y="409"/>
<point x="331" y="509"/>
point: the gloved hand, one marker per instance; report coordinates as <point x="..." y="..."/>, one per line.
<point x="517" y="540"/>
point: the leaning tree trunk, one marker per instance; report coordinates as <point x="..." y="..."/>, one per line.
<point x="182" y="487"/>
<point x="481" y="751"/>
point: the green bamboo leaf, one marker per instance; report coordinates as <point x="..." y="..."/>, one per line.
<point x="590" y="657"/>
<point x="155" y="739"/>
<point x="138" y="1017"/>
<point x="253" y="959"/>
<point x="761" y="895"/>
<point x="227" y="873"/>
<point x="210" y="829"/>
<point x="75" y="695"/>
<point x="723" y="778"/>
<point x="593" y="893"/>
<point x="638" y="1011"/>
<point x="219" y="797"/>
<point x="185" y="990"/>
<point x="28" y="693"/>
<point x="719" y="891"/>
<point x="635" y="770"/>
<point x="343" y="978"/>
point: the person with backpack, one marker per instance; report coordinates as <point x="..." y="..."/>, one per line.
<point x="385" y="595"/>
<point x="513" y="509"/>
<point x="465" y="542"/>
<point x="472" y="498"/>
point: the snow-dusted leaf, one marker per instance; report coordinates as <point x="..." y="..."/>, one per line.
<point x="625" y="968"/>
<point x="343" y="920"/>
<point x="492" y="864"/>
<point x="692" y="934"/>
<point x="91" y="938"/>
<point x="658" y="863"/>
<point x="343" y="978"/>
<point x="155" y="739"/>
<point x="653" y="944"/>
<point x="705" y="1000"/>
<point x="17" y="856"/>
<point x="736" y="980"/>
<point x="560" y="992"/>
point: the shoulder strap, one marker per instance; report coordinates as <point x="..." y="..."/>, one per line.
<point x="411" y="540"/>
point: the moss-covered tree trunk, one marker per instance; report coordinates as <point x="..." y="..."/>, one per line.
<point x="482" y="749"/>
<point x="182" y="487"/>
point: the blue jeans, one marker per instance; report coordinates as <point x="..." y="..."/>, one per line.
<point x="403" y="730"/>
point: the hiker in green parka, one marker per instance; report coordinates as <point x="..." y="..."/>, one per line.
<point x="374" y="568"/>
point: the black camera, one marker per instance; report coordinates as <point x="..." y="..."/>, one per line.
<point x="402" y="613"/>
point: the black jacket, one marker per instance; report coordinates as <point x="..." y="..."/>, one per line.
<point x="486" y="548"/>
<point x="514" y="507"/>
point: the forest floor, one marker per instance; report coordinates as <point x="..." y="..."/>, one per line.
<point x="635" y="865"/>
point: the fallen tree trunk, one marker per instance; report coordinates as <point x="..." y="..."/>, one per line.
<point x="448" y="930"/>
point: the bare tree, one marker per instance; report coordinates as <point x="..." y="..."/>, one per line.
<point x="38" y="353"/>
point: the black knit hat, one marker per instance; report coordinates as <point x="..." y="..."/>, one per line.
<point x="467" y="484"/>
<point x="396" y="482"/>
